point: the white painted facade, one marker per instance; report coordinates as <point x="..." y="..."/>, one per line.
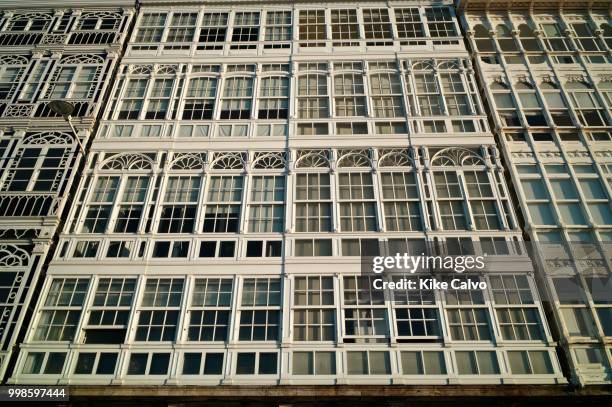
<point x="244" y="143"/>
<point x="546" y="76"/>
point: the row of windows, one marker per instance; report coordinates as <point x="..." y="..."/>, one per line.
<point x="365" y="317"/>
<point x="61" y="22"/>
<point x="348" y="201"/>
<point x="317" y="95"/>
<point x="572" y="243"/>
<point x="583" y="310"/>
<point x="565" y="194"/>
<point x="303" y="363"/>
<point x="344" y="27"/>
<point x="302" y="128"/>
<point x="548" y="105"/>
<point x="273" y="248"/>
<point x="583" y="300"/>
<point x="73" y="77"/>
<point x="571" y="137"/>
<point x="545" y="61"/>
<point x="39" y="169"/>
<point x="88" y="28"/>
<point x="553" y="38"/>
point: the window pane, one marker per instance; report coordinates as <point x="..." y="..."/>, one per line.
<point x="303" y="363"/>
<point x="412" y="363"/>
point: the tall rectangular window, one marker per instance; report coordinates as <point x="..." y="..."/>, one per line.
<point x="408" y="23"/>
<point x="312" y="28"/>
<point x="345" y="28"/>
<point x="278" y="29"/>
<point x="357" y="202"/>
<point x="260" y="310"/>
<point x="313" y="203"/>
<point x="428" y="94"/>
<point x="365" y="312"/>
<point x="440" y="22"/>
<point x="313" y="102"/>
<point x="467" y="313"/>
<point x="213" y="31"/>
<point x="246" y="30"/>
<point x="456" y="98"/>
<point x="416" y="312"/>
<point x="577" y="317"/>
<point x="133" y="99"/>
<point x="159" y="310"/>
<point x="313" y="313"/>
<point x="159" y="98"/>
<point x="222" y="212"/>
<point x="377" y="26"/>
<point x="273" y="98"/>
<point x="516" y="310"/>
<point x="131" y="204"/>
<point x="450" y="200"/>
<point x="210" y="309"/>
<point x="349" y="99"/>
<point x="267" y="209"/>
<point x="151" y="27"/>
<point x="482" y="201"/>
<point x="179" y="207"/>
<point x="100" y="205"/>
<point x="110" y="311"/>
<point x="200" y="99"/>
<point x="9" y="80"/>
<point x="61" y="311"/>
<point x="237" y="98"/>
<point x="34" y="82"/>
<point x="182" y="27"/>
<point x="401" y="201"/>
<point x="386" y="91"/>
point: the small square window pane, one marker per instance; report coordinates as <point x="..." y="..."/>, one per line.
<point x="85" y="363"/>
<point x="245" y="363"/>
<point x="380" y="363"/>
<point x="159" y="364"/>
<point x="357" y="362"/>
<point x="434" y="363"/>
<point x="540" y="362"/>
<point x="412" y="363"/>
<point x="487" y="362"/>
<point x="55" y="363"/>
<point x="213" y="365"/>
<point x="268" y="363"/>
<point x="191" y="363"/>
<point x="107" y="363"/>
<point x="325" y="363"/>
<point x="33" y="363"/>
<point x="303" y="363"/>
<point x="519" y="362"/>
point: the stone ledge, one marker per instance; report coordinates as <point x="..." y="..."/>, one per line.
<point x="305" y="392"/>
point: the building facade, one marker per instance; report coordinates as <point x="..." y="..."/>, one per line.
<point x="546" y="76"/>
<point x="248" y="156"/>
<point x="46" y="54"/>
